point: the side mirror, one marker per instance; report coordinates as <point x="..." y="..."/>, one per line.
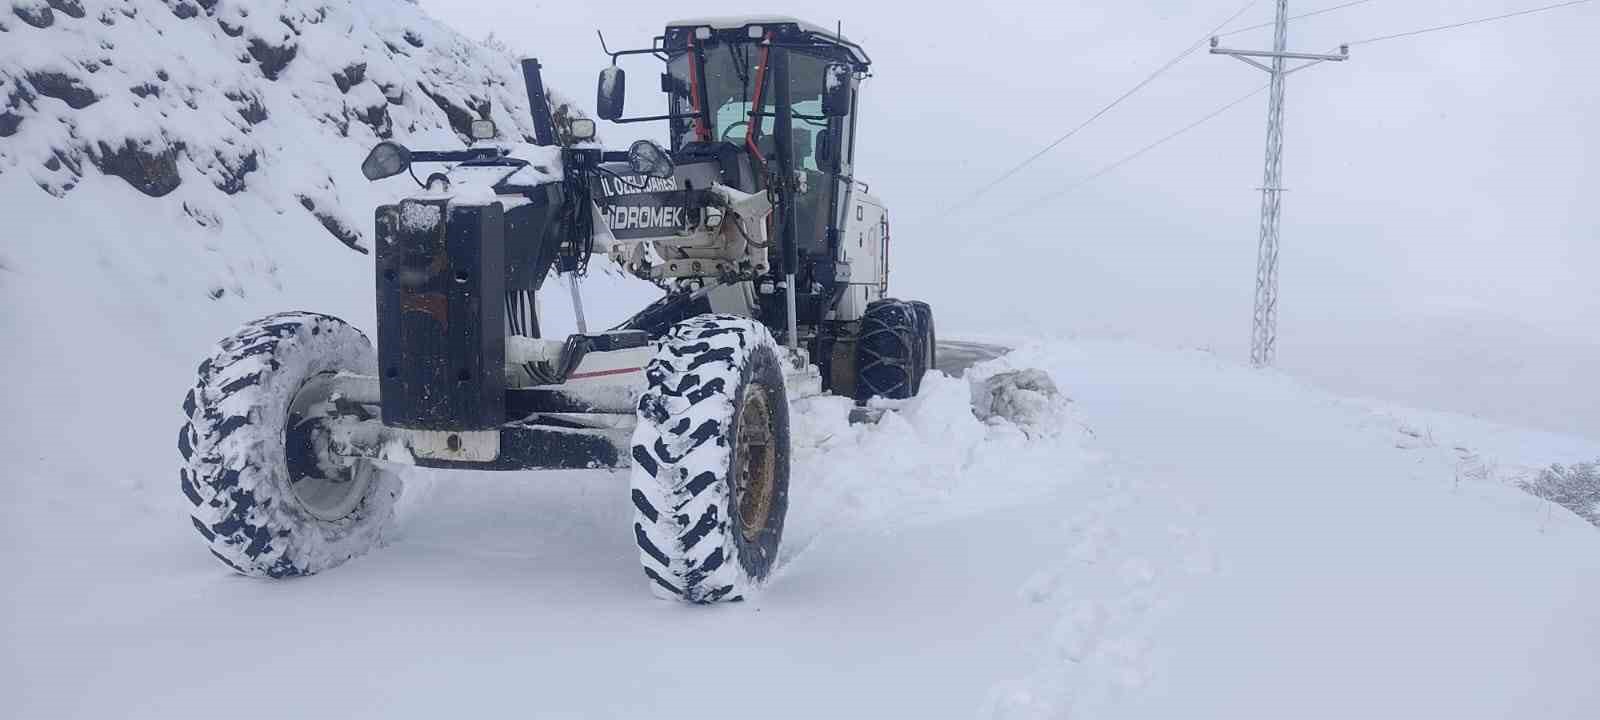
<point x="824" y="151"/>
<point x="649" y="159"/>
<point x="613" y="87"/>
<point x="836" y="90"/>
<point x="386" y="160"/>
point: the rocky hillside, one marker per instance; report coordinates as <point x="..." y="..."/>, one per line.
<point x="201" y="100"/>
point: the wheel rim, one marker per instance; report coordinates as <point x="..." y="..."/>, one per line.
<point x="755" y="488"/>
<point x="327" y="487"/>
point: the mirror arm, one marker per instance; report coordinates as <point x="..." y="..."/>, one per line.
<point x="620" y="53"/>
<point x="458" y="155"/>
<point x="659" y="52"/>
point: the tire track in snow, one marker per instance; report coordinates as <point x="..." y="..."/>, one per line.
<point x="1127" y="558"/>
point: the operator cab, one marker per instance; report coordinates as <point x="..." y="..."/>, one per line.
<point x="730" y="63"/>
<point x="760" y="94"/>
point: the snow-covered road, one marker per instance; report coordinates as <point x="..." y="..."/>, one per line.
<point x="1213" y="542"/>
<point x="1265" y="550"/>
<point x="955" y="356"/>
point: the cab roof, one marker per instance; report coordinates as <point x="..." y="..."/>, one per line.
<point x="735" y="22"/>
<point x="783" y="25"/>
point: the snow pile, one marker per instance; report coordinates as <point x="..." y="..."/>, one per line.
<point x="948" y="462"/>
<point x="1027" y="398"/>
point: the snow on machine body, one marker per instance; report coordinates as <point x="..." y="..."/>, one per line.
<point x="774" y="262"/>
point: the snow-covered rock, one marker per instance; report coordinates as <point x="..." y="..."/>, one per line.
<point x="221" y="97"/>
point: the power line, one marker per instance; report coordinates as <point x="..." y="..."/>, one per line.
<point x="1465" y="23"/>
<point x="1040" y="201"/>
<point x="1301" y="16"/>
<point x="973" y="197"/>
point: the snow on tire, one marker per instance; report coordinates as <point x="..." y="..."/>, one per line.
<point x="710" y="477"/>
<point x="264" y="501"/>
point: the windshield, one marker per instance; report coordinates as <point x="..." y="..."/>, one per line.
<point x="731" y="76"/>
<point x="732" y="71"/>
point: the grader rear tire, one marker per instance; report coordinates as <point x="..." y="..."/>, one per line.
<point x="888" y="351"/>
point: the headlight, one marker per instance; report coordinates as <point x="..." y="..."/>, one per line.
<point x="582" y="129"/>
<point x="649" y="159"/>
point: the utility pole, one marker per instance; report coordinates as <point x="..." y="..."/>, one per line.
<point x="1264" y="333"/>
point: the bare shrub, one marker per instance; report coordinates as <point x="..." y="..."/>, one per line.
<point x="1574" y="487"/>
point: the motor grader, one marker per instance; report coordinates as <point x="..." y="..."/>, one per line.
<point x="773" y="259"/>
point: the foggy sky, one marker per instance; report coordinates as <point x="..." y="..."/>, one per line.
<point x="1445" y="178"/>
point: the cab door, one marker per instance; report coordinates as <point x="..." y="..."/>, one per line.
<point x="862" y="245"/>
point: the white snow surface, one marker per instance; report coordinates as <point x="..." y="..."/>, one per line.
<point x="1194" y="539"/>
<point x="1201" y="540"/>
